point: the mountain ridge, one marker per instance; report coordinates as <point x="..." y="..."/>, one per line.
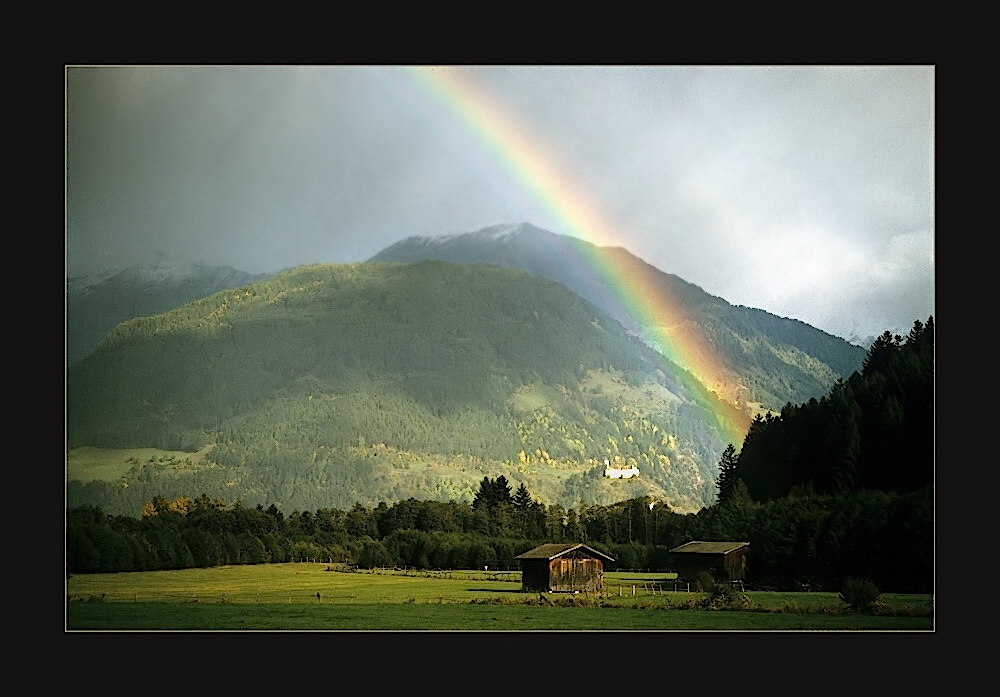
<point x="807" y="360"/>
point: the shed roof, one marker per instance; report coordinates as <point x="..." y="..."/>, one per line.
<point x="702" y="547"/>
<point x="551" y="551"/>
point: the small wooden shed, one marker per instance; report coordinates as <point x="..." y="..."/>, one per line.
<point x="726" y="561"/>
<point x="562" y="567"/>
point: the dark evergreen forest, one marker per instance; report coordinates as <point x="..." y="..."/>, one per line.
<point x="874" y="430"/>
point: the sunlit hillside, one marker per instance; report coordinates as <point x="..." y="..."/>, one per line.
<point x="334" y="384"/>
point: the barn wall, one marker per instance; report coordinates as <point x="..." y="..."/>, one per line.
<point x="736" y="564"/>
<point x="535" y="574"/>
<point x="689" y="565"/>
<point x="576" y="573"/>
<point x="723" y="567"/>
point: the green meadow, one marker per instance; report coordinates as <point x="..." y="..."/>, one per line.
<point x="308" y="596"/>
<point x="88" y="464"/>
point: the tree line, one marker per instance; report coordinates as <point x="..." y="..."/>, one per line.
<point x="802" y="541"/>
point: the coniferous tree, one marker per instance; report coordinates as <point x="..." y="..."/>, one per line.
<point x="727" y="478"/>
<point x="501" y="490"/>
<point x="492" y="493"/>
<point x="881" y="353"/>
<point x="522" y="499"/>
<point x="484" y="495"/>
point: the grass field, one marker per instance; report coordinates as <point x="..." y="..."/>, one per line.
<point x="109" y="465"/>
<point x="307" y="596"/>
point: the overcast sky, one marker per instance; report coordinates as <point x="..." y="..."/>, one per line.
<point x="804" y="191"/>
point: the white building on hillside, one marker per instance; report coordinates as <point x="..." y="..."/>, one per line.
<point x="620" y="472"/>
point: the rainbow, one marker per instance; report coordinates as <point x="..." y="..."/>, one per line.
<point x="524" y="157"/>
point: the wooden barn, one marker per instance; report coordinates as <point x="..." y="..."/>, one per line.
<point x="726" y="561"/>
<point x="562" y="567"/>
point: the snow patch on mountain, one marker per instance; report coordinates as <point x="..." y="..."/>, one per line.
<point x="502" y="232"/>
<point x="505" y="232"/>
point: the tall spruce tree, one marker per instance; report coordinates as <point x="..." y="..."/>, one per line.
<point x="492" y="493"/>
<point x="881" y="353"/>
<point x="522" y="499"/>
<point x="727" y="478"/>
<point x="502" y="490"/>
<point x="484" y="495"/>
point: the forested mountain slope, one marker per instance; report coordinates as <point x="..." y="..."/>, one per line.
<point x="95" y="306"/>
<point x="328" y="385"/>
<point x="767" y="361"/>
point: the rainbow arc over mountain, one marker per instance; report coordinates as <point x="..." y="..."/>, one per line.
<point x="539" y="174"/>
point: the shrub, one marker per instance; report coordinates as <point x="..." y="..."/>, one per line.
<point x="861" y="595"/>
<point x="721" y="596"/>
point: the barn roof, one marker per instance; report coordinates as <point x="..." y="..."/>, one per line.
<point x="701" y="547"/>
<point x="551" y="551"/>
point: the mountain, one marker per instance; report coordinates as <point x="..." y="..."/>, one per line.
<point x="760" y="361"/>
<point x="330" y="385"/>
<point x="97" y="304"/>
